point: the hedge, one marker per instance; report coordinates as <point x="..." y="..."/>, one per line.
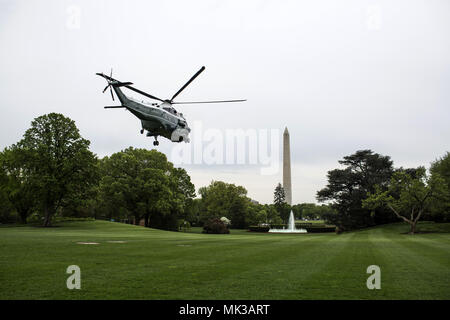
<point x="258" y="229"/>
<point x="320" y="229"/>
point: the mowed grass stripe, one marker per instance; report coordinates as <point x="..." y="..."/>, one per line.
<point x="409" y="271"/>
<point x="241" y="265"/>
<point x="272" y="271"/>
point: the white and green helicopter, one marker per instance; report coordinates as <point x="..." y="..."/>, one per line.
<point x="160" y="118"/>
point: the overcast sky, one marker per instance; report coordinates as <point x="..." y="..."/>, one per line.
<point x="341" y="75"/>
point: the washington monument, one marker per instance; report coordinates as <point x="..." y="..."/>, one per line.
<point x="287" y="167"/>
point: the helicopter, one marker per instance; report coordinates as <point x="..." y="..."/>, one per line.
<point x="157" y="118"/>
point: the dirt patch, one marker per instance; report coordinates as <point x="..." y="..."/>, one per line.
<point x="116" y="241"/>
<point x="88" y="243"/>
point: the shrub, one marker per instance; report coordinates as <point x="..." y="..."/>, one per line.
<point x="225" y="220"/>
<point x="321" y="229"/>
<point x="183" y="225"/>
<point x="215" y="225"/>
<point x="277" y="226"/>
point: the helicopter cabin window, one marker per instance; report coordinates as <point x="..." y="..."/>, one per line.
<point x="171" y="110"/>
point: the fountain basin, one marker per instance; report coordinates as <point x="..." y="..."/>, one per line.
<point x="288" y="231"/>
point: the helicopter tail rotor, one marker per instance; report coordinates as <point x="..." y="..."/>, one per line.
<point x="113" y="83"/>
<point x="110" y="82"/>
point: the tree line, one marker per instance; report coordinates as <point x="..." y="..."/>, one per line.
<point x="51" y="172"/>
<point x="369" y="191"/>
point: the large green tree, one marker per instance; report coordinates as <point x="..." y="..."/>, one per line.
<point x="146" y="186"/>
<point x="256" y="214"/>
<point x="440" y="210"/>
<point x="221" y="199"/>
<point x="311" y="210"/>
<point x="409" y="197"/>
<point x="347" y="188"/>
<point x="58" y="160"/>
<point x="16" y="182"/>
<point x="6" y="208"/>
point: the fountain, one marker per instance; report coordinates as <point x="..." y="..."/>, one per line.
<point x="291" y="227"/>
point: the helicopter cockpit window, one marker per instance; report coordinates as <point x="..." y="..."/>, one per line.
<point x="171" y="110"/>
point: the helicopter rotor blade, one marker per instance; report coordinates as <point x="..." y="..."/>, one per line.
<point x="143" y="93"/>
<point x="215" y="101"/>
<point x="112" y="96"/>
<point x="187" y="83"/>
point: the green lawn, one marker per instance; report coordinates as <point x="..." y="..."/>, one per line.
<point x="155" y="264"/>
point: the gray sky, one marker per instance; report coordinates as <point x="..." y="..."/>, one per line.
<point x="341" y="75"/>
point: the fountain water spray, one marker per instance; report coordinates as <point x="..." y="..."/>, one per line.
<point x="291" y="227"/>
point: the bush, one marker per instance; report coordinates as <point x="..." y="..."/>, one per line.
<point x="215" y="225"/>
<point x="259" y="228"/>
<point x="320" y="229"/>
<point x="183" y="225"/>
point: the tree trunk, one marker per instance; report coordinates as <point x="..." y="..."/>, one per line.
<point x="413" y="227"/>
<point x="146" y="220"/>
<point x="48" y="215"/>
<point x="23" y="217"/>
<point x="136" y="220"/>
<point x="47" y="220"/>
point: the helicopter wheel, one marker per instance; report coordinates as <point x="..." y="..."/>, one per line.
<point x="142" y="131"/>
<point x="156" y="143"/>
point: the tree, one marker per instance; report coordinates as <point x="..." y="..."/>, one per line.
<point x="6" y="207"/>
<point x="279" y="201"/>
<point x="192" y="211"/>
<point x="442" y="167"/>
<point x="221" y="199"/>
<point x="136" y="181"/>
<point x="279" y="196"/>
<point x="349" y="186"/>
<point x="311" y="210"/>
<point x="440" y="210"/>
<point x="407" y="197"/>
<point x="144" y="185"/>
<point x="273" y="216"/>
<point x="256" y="214"/>
<point x="183" y="192"/>
<point x="16" y="182"/>
<point x="58" y="160"/>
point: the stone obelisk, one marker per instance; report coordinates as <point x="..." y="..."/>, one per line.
<point x="287" y="167"/>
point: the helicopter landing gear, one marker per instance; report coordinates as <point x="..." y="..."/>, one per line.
<point x="142" y="131"/>
<point x="156" y="142"/>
